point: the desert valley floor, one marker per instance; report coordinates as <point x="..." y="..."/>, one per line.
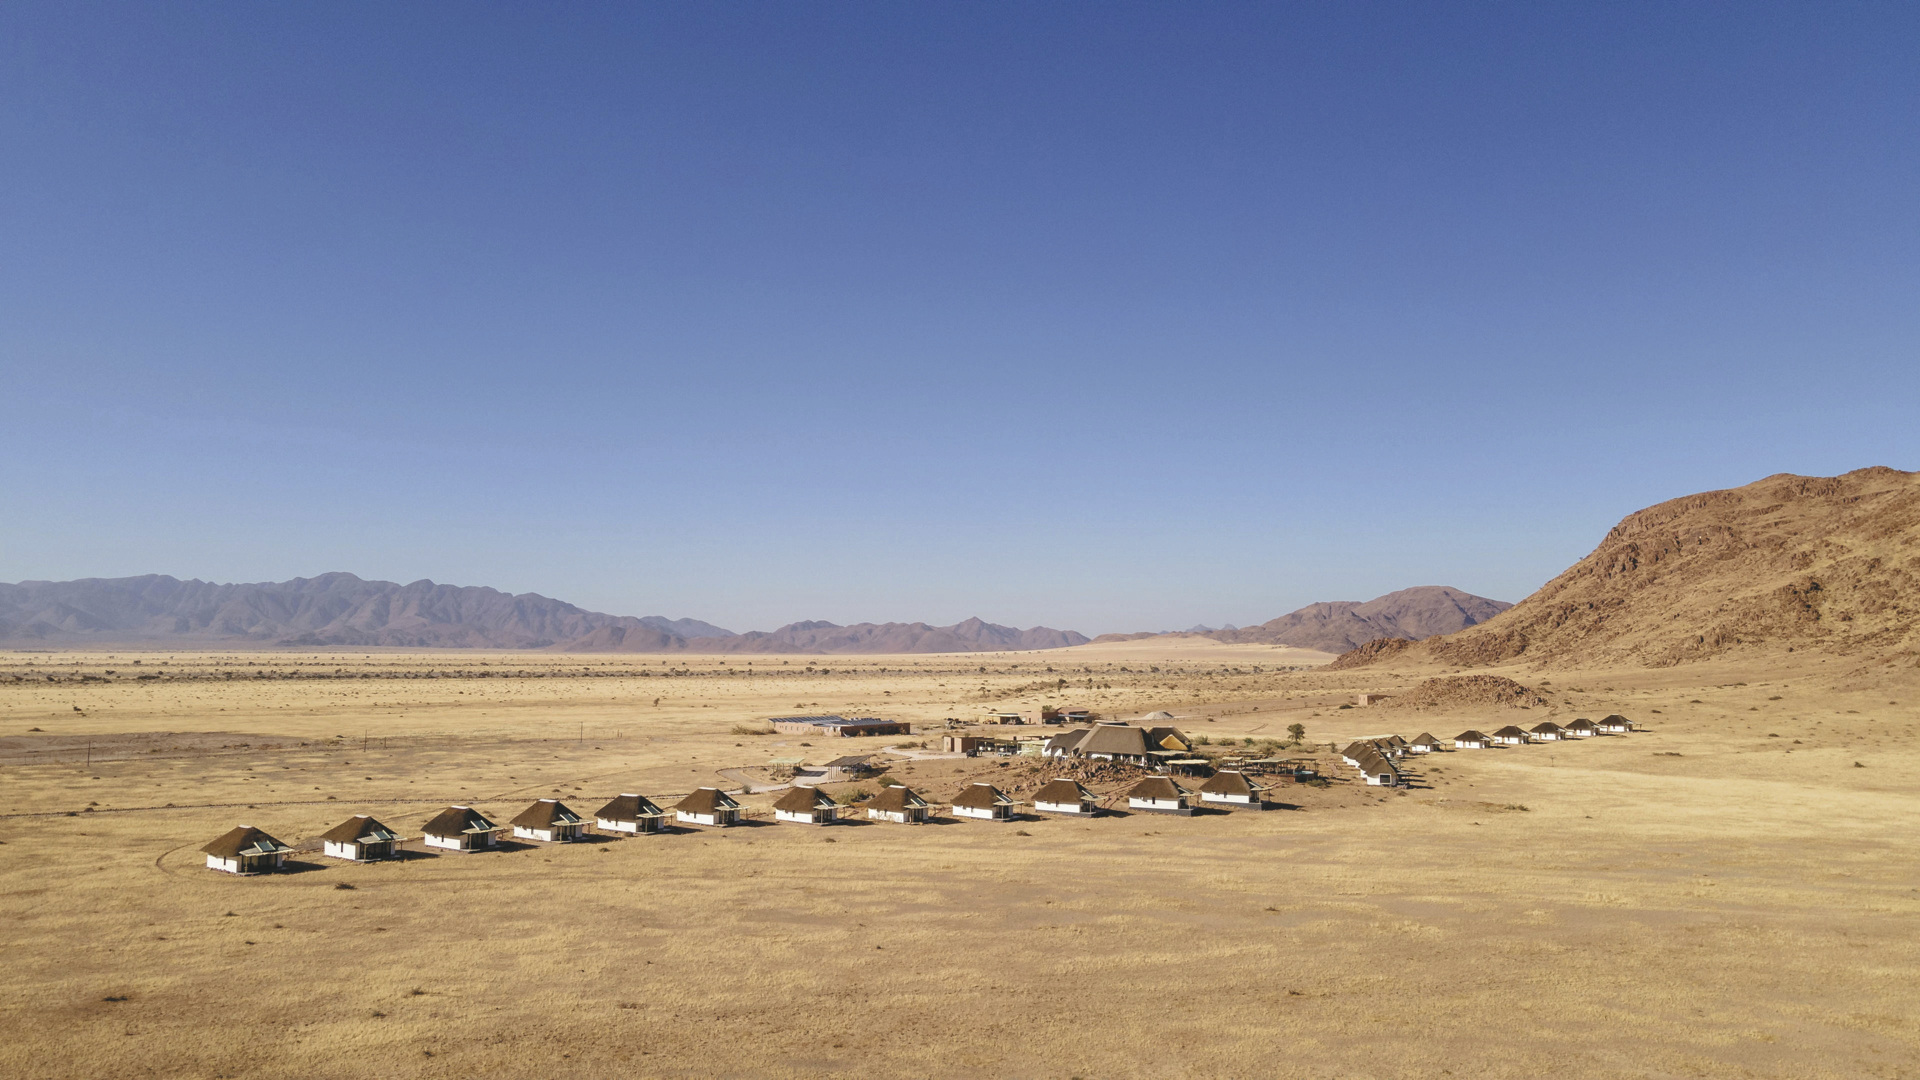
<point x="1732" y="892"/>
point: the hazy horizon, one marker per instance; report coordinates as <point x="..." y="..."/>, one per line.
<point x="1111" y="318"/>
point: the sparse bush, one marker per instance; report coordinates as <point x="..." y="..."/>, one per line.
<point x="751" y="729"/>
<point x="854" y="795"/>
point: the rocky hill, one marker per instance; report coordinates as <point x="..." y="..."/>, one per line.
<point x="1785" y="563"/>
<point x="1413" y="614"/>
<point x="1339" y="625"/>
<point x="344" y="610"/>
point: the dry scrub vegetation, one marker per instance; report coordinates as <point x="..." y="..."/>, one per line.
<point x="1725" y="894"/>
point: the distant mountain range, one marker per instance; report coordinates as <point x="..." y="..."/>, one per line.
<point x="1340" y="625"/>
<point x="343" y="610"/>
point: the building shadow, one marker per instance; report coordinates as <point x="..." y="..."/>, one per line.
<point x="300" y="866"/>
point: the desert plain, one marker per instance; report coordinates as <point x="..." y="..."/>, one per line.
<point x="1731" y="892"/>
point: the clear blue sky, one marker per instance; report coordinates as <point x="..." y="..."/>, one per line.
<point x="1110" y="317"/>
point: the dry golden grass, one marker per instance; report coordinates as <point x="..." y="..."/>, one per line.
<point x="1749" y="907"/>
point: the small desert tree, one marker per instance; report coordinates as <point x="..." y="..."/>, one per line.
<point x="1297" y="732"/>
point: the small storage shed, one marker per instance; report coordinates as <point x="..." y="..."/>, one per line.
<point x="708" y="806"/>
<point x="897" y="804"/>
<point x="1063" y="796"/>
<point x="630" y="813"/>
<point x="1548" y="731"/>
<point x="983" y="801"/>
<point x="359" y="839"/>
<point x="1510" y="736"/>
<point x="1228" y="788"/>
<point x="1158" y="795"/>
<point x="1471" y="740"/>
<point x="1616" y="725"/>
<point x="246" y="850"/>
<point x="460" y="828"/>
<point x="1424" y="743"/>
<point x="550" y="822"/>
<point x="1582" y="728"/>
<point x="806" y="806"/>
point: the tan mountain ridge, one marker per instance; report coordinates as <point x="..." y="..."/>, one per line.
<point x="1339" y="625"/>
<point x="1787" y="563"/>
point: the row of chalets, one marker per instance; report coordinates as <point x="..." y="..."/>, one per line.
<point x="361" y="838"/>
<point x="1379" y="759"/>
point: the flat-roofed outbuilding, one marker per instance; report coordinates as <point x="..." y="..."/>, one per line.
<point x="359" y="839"/>
<point x="460" y="828"/>
<point x="1064" y="796"/>
<point x="983" y="802"/>
<point x="806" y="806"/>
<point x="630" y="813"/>
<point x="839" y="727"/>
<point x="1158" y="795"/>
<point x="550" y="822"/>
<point x="246" y="850"/>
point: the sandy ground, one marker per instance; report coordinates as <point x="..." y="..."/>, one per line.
<point x="1725" y="894"/>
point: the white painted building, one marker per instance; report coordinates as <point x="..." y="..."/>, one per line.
<point x="631" y="814"/>
<point x="983" y="802"/>
<point x="246" y="850"/>
<point x="359" y="839"/>
<point x="708" y="806"/>
<point x="548" y="821"/>
<point x="1064" y="796"/>
<point x="806" y="806"/>
<point x="1158" y="795"/>
<point x="460" y="828"/>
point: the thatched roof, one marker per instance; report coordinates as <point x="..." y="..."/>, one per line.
<point x="1158" y="736"/>
<point x="706" y="801"/>
<point x="457" y="821"/>
<point x="1063" y="742"/>
<point x="804" y="800"/>
<point x="896" y="799"/>
<point x="1162" y="715"/>
<point x="1062" y="790"/>
<point x="359" y="829"/>
<point x="245" y="840"/>
<point x="1425" y="739"/>
<point x="982" y="797"/>
<point x="545" y="814"/>
<point x="1508" y="732"/>
<point x="1470" y="736"/>
<point x="1227" y="782"/>
<point x="1545" y="727"/>
<point x="1582" y="724"/>
<point x="629" y="807"/>
<point x="1157" y="788"/>
<point x="1117" y="739"/>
